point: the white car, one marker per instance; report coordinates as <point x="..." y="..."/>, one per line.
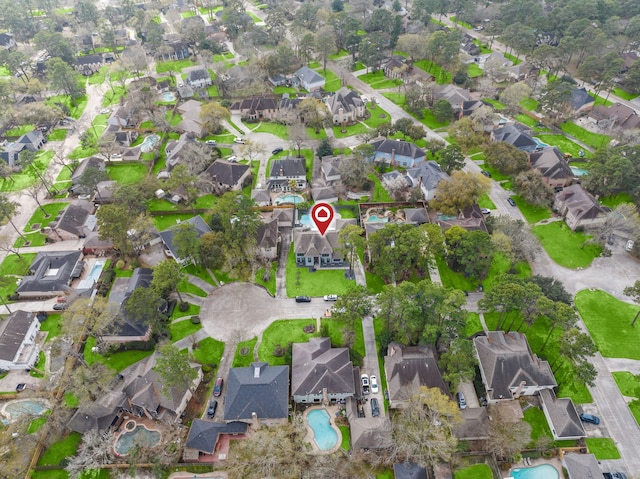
<point x="211" y="142"/>
<point x="232" y="159"/>
<point x="104" y="111"/>
<point x="116" y="156"/>
<point x="374" y="384"/>
<point x="331" y="297"/>
<point x="239" y="140"/>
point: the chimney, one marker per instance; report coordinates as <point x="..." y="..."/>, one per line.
<point x="254" y="421"/>
<point x="393" y="156"/>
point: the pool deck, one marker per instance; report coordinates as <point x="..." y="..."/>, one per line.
<point x="331" y="410"/>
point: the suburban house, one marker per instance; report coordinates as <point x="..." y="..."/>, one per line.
<point x="122" y="117"/>
<point x="409" y="367"/>
<point x="308" y="79"/>
<point x="409" y="470"/>
<point x="397" y="153"/>
<point x="105" y="191"/>
<point x="475" y="426"/>
<point x="225" y="176"/>
<point x="268" y="238"/>
<point x="327" y="194"/>
<point x="50" y="274"/>
<point x="495" y="65"/>
<point x="76" y="221"/>
<point x="581" y="466"/>
<point x="394" y="180"/>
<point x="322" y="374"/>
<point x="204" y="436"/>
<point x="395" y="67"/>
<point x="579" y="208"/>
<point x="256" y="108"/>
<point x="284" y="217"/>
<point x="415" y="216"/>
<point x="455" y="95"/>
<point x="173" y="51"/>
<point x="199" y="78"/>
<point x="426" y="176"/>
<point x="468" y="107"/>
<point x="137" y="391"/>
<point x="128" y="329"/>
<point x="314" y="250"/>
<point x="191" y="121"/>
<point x="367" y="432"/>
<point x="561" y="414"/>
<point x="261" y="197"/>
<point x="10" y="151"/>
<point x="258" y="394"/>
<point x="176" y="150"/>
<point x="286" y="171"/>
<point x="515" y="134"/>
<point x="87" y="65"/>
<point x="87" y="164"/>
<point x="330" y="169"/>
<point x="471" y="219"/>
<point x="167" y="237"/>
<point x="614" y="116"/>
<point x="581" y="100"/>
<point x="346" y="106"/>
<point x="18" y="348"/>
<point x="509" y="368"/>
<point x="555" y="170"/>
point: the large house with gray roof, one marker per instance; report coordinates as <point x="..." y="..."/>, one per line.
<point x="581" y="466"/>
<point x="224" y="176"/>
<point x="315" y="250"/>
<point x="346" y="106"/>
<point x="256" y="108"/>
<point x="258" y="394"/>
<point x="553" y="167"/>
<point x="199" y="78"/>
<point x="321" y="373"/>
<point x="204" y="436"/>
<point x="286" y="171"/>
<point x="76" y="221"/>
<point x="18" y="347"/>
<point x="426" y="176"/>
<point x="397" y="153"/>
<point x="309" y="79"/>
<point x="51" y="274"/>
<point x="515" y="134"/>
<point x="509" y="368"/>
<point x="167" y="237"/>
<point x="578" y="208"/>
<point x="561" y="414"/>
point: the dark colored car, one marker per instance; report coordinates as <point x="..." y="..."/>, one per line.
<point x="590" y="418"/>
<point x="303" y="299"/>
<point x="217" y="389"/>
<point x="21" y="387"/>
<point x="60" y="306"/>
<point x="486" y="173"/>
<point x="213" y="405"/>
<point x="375" y="408"/>
<point x="614" y="475"/>
<point x="276" y="151"/>
<point x="511" y="201"/>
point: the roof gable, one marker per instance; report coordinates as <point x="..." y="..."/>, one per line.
<point x="399" y="148"/>
<point x="13" y="331"/>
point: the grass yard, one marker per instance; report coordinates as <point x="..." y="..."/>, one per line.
<point x="336" y="334"/>
<point x="36" y="424"/>
<point x="52" y="325"/>
<point x="182" y="329"/>
<point x="603" y="448"/>
<point x="532" y="213"/>
<point x="17" y="267"/>
<point x="20" y="130"/>
<point x="199" y="272"/>
<point x="474" y="70"/>
<point x="271" y="284"/>
<point x="127" y="173"/>
<point x="529" y="104"/>
<point x="429" y="120"/>
<point x="495" y="103"/>
<point x="442" y="76"/>
<point x="352" y="130"/>
<point x="564" y="144"/>
<point x="112" y="97"/>
<point x="186" y="287"/>
<point x="485" y="202"/>
<point x="345" y="444"/>
<point x="625" y="95"/>
<point x="615" y="337"/>
<point x="277" y="129"/>
<point x="209" y="351"/>
<point x="240" y="361"/>
<point x="594" y="140"/>
<point x="58" y="134"/>
<point x="451" y="279"/>
<point x="21" y="181"/>
<point x="282" y="333"/>
<point x="567" y="248"/>
<point x="173" y="66"/>
<point x="397" y="98"/>
<point x="375" y="283"/>
<point x="39" y="218"/>
<point x="75" y="111"/>
<point x="615" y="200"/>
<point x="321" y="135"/>
<point x="116" y="361"/>
<point x="540" y="428"/>
<point x="380" y="195"/>
<point x="378" y="116"/>
<point x="332" y="81"/>
<point x="628" y="383"/>
<point x="192" y="310"/>
<point x="472" y="325"/>
<point x="379" y="80"/>
<point x="501" y="265"/>
<point x="60" y="450"/>
<point x="477" y="471"/>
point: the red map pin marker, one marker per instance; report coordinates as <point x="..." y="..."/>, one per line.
<point x="322" y="216"/>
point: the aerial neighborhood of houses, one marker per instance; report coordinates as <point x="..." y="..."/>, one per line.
<point x="169" y="306"/>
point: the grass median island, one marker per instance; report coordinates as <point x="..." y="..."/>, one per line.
<point x="609" y="322"/>
<point x="277" y="337"/>
<point x="567" y="248"/>
<point x="603" y="448"/>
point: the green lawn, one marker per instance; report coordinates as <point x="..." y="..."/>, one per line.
<point x="442" y="76"/>
<point x="112" y="97"/>
<point x="594" y="140"/>
<point x="182" y="329"/>
<point x="199" y="272"/>
<point x="540" y="428"/>
<point x="567" y="248"/>
<point x="58" y="134"/>
<point x="379" y="80"/>
<point x="379" y="193"/>
<point x="496" y="104"/>
<point x="186" y="287"/>
<point x="277" y="129"/>
<point x="20" y="130"/>
<point x="336" y="334"/>
<point x="192" y="310"/>
<point x="501" y="265"/>
<point x="209" y="351"/>
<point x="331" y="81"/>
<point x="397" y="98"/>
<point x="615" y="337"/>
<point x="629" y="385"/>
<point x="451" y="279"/>
<point x="271" y="284"/>
<point x="429" y="120"/>
<point x="351" y="130"/>
<point x="474" y="70"/>
<point x="60" y="450"/>
<point x="39" y="218"/>
<point x="532" y="213"/>
<point x="477" y="471"/>
<point x="281" y="333"/>
<point x="485" y="202"/>
<point x="14" y="266"/>
<point x="529" y="104"/>
<point x="127" y="173"/>
<point x="116" y="361"/>
<point x="52" y="325"/>
<point x="345" y="444"/>
<point x="564" y="144"/>
<point x="36" y="424"/>
<point x="319" y="283"/>
<point x="615" y="200"/>
<point x="378" y="116"/>
<point x="472" y="324"/>
<point x="240" y="361"/>
<point x="173" y="66"/>
<point x="75" y="111"/>
<point x="603" y="448"/>
<point x="322" y="134"/>
<point x="21" y="181"/>
<point x="619" y="92"/>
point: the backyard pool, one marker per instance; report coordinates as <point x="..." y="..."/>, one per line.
<point x="377" y="219"/>
<point x="93" y="276"/>
<point x="305" y="220"/>
<point x="324" y="434"/>
<point x="139" y="435"/>
<point x="13" y="410"/>
<point x="295" y="199"/>
<point x="543" y="471"/>
<point x="149" y="142"/>
<point x="168" y="96"/>
<point x="540" y="143"/>
<point x="578" y="171"/>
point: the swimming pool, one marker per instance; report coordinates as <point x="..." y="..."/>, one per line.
<point x="13" y="410"/>
<point x="140" y="435"/>
<point x="168" y="96"/>
<point x="540" y="143"/>
<point x="377" y="219"/>
<point x="96" y="270"/>
<point x="578" y="171"/>
<point x="543" y="471"/>
<point x="149" y="142"/>
<point x="324" y="435"/>
<point x="295" y="199"/>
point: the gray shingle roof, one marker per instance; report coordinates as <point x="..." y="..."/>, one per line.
<point x="74" y="217"/>
<point x="550" y="163"/>
<point x="408" y="470"/>
<point x="199" y="74"/>
<point x="288" y="167"/>
<point x="12" y="333"/>
<point x="416" y="216"/>
<point x="203" y="435"/>
<point x="517" y="135"/>
<point x="259" y="389"/>
<point x="52" y="271"/>
<point x="565" y="420"/>
<point x="398" y="147"/>
<point x="308" y="75"/>
<point x="428" y="174"/>
<point x="167" y="235"/>
<point x="345" y="99"/>
<point x="579" y="202"/>
<point x="317" y="366"/>
<point x="226" y="173"/>
<point x="92" y="162"/>
<point x="582" y="466"/>
<point x="267" y="235"/>
<point x="313" y="244"/>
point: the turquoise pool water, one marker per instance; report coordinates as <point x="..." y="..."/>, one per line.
<point x="578" y="171"/>
<point x="324" y="435"/>
<point x="168" y="96"/>
<point x="96" y="270"/>
<point x="543" y="471"/>
<point x="140" y="435"/>
<point x="377" y="219"/>
<point x="295" y="199"/>
<point x="149" y="142"/>
<point x="28" y="407"/>
<point x="540" y="142"/>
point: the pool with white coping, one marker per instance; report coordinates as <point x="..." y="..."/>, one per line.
<point x="326" y="436"/>
<point x="133" y="435"/>
<point x="14" y="410"/>
<point x="543" y="471"/>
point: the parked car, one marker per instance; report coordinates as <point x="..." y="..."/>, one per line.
<point x="232" y="159"/>
<point x="462" y="403"/>
<point x="276" y="151"/>
<point x="213" y="405"/>
<point x="375" y="408"/>
<point x="374" y="384"/>
<point x="629" y="246"/>
<point x="116" y="156"/>
<point x="303" y="299"/>
<point x="485" y="211"/>
<point x="486" y="173"/>
<point x="364" y="379"/>
<point x="217" y="388"/>
<point x="614" y="475"/>
<point x="60" y="306"/>
<point x="211" y="142"/>
<point x="483" y="401"/>
<point x="239" y="140"/>
<point x="331" y="297"/>
<point x="590" y="418"/>
<point x="21" y="387"/>
<point x="511" y="201"/>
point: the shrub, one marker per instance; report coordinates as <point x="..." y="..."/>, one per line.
<point x="244" y="351"/>
<point x="279" y="351"/>
<point x="183" y="306"/>
<point x="309" y="328"/>
<point x="195" y="319"/>
<point x="120" y="264"/>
